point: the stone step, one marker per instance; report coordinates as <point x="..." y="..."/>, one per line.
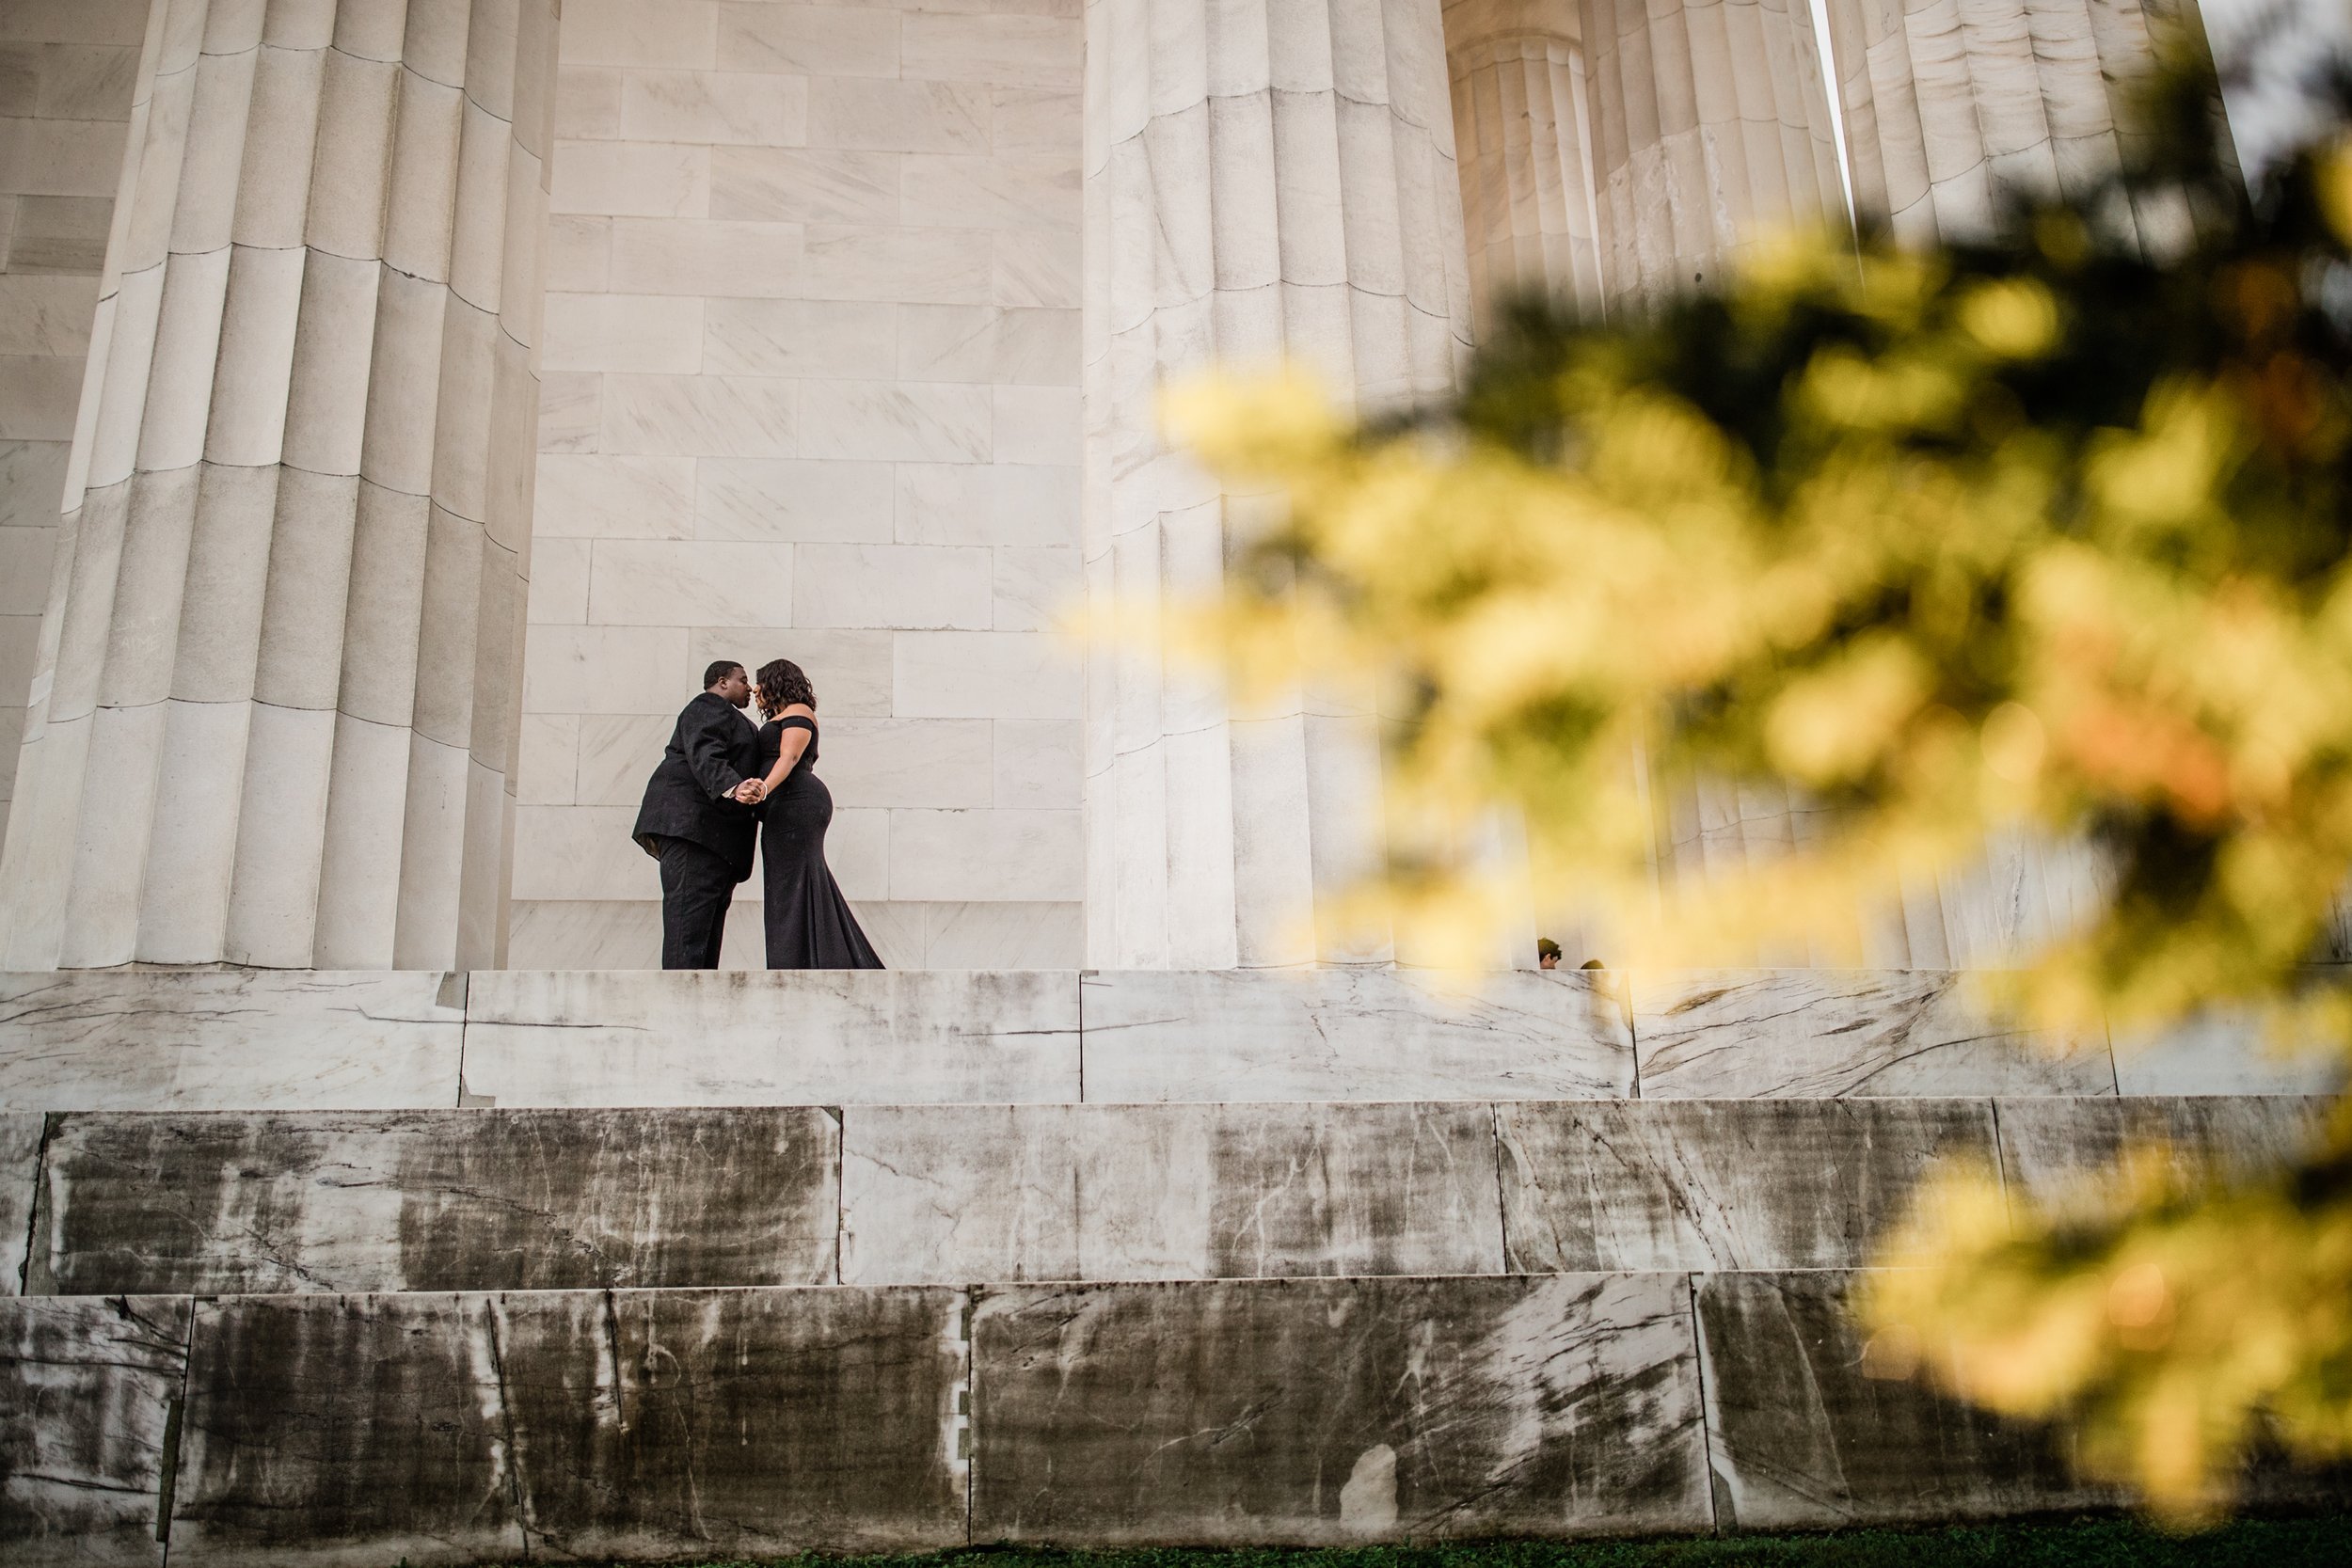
<point x="242" y="1040"/>
<point x="472" y="1427"/>
<point x="243" y="1202"/>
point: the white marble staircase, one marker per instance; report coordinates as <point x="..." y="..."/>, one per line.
<point x="348" y="1268"/>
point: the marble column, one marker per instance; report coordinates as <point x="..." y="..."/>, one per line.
<point x="1520" y="119"/>
<point x="1946" y="102"/>
<point x="280" y="679"/>
<point x="1264" y="178"/>
<point x="1710" y="125"/>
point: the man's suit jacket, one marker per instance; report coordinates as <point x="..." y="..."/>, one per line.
<point x="713" y="749"/>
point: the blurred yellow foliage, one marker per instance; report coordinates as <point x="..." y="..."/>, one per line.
<point x="2044" y="537"/>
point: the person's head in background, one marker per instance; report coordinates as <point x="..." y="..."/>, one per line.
<point x="725" y="678"/>
<point x="1547" y="953"/>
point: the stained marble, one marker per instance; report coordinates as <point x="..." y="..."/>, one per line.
<point x="1721" y="1184"/>
<point x="1351" y="1033"/>
<point x="437" y="1200"/>
<point x="1165" y="1191"/>
<point x="652" y="1424"/>
<point x="736" y="1037"/>
<point x="88" y="1388"/>
<point x="1799" y="1032"/>
<point x="1803" y="1436"/>
<point x="1329" y="1412"/>
<point x="2049" y="1148"/>
<point x="197" y="1039"/>
<point x="358" y="1429"/>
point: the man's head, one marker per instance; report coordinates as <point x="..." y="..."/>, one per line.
<point x="1547" y="953"/>
<point x="725" y="678"/>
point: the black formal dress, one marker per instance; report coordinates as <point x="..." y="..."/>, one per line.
<point x="809" y="924"/>
<point x="704" y="840"/>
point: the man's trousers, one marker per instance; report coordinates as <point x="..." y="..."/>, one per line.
<point x="696" y="887"/>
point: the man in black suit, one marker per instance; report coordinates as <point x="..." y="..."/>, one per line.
<point x="691" y="823"/>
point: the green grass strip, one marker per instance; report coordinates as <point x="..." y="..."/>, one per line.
<point x="2105" y="1543"/>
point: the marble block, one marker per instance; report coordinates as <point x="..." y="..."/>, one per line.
<point x="655" y="1424"/>
<point x="951" y="1193"/>
<point x="358" y="1430"/>
<point x="2222" y="1051"/>
<point x="1803" y="1437"/>
<point x="88" y="1388"/>
<point x="1761" y="1033"/>
<point x="2049" y="1147"/>
<point x="19" y="1168"/>
<point x="1351" y="1033"/>
<point x="763" y="1038"/>
<point x="1335" y="1412"/>
<point x="1719" y="1184"/>
<point x="437" y="1200"/>
<point x="201" y="1039"/>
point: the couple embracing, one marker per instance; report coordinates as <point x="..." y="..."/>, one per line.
<point x="720" y="784"/>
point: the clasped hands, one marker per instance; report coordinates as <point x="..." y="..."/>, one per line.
<point x="750" y="792"/>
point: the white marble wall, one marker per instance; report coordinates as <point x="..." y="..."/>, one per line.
<point x="1521" y="119"/>
<point x="275" y="707"/>
<point x="1265" y="178"/>
<point x="811" y="392"/>
<point x="66" y="73"/>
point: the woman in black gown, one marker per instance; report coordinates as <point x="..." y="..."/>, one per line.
<point x="809" y="923"/>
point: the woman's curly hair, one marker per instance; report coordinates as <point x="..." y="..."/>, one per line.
<point x="781" y="684"/>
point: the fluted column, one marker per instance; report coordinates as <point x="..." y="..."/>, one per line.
<point x="1946" y="102"/>
<point x="279" y="684"/>
<point x="1263" y="178"/>
<point x="1710" y="125"/>
<point x="1517" y="70"/>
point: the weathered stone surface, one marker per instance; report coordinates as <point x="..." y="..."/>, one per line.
<point x="1802" y="1436"/>
<point x="1327" y="1411"/>
<point x="949" y="1194"/>
<point x="86" y="1394"/>
<point x="758" y="1037"/>
<point x="357" y="1430"/>
<point x="1719" y="1184"/>
<point x="19" y="1168"/>
<point x="437" y="1200"/>
<point x="2050" y="1147"/>
<point x="714" y="1423"/>
<point x="1352" y="1034"/>
<point x="207" y="1039"/>
<point x="2221" y="1050"/>
<point x="1810" y="1032"/>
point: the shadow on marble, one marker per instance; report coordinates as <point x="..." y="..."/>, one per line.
<point x="720" y="1037"/>
<point x="1719" y="1184"/>
<point x="1742" y="1033"/>
<point x="1351" y="1033"/>
<point x="437" y="1200"/>
<point x="1803" y="1437"/>
<point x="947" y="1194"/>
<point x="122" y="1040"/>
<point x="2049" y="1147"/>
<point x="85" y="1393"/>
<point x="1329" y="1412"/>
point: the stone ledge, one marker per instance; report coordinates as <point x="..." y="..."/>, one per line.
<point x="228" y="1202"/>
<point x="473" y="1428"/>
<point x="245" y="1039"/>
